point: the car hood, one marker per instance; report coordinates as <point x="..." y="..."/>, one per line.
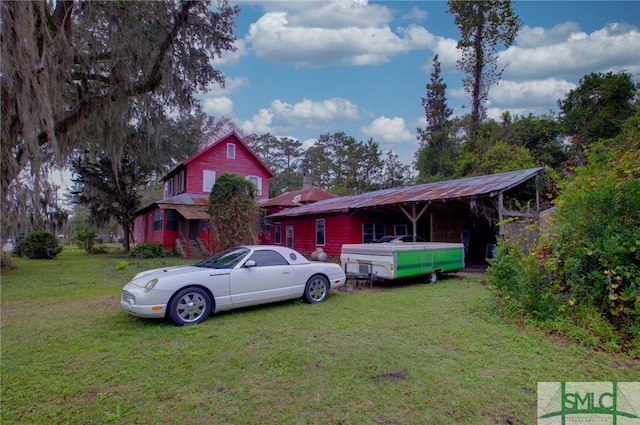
<point x="142" y="278"/>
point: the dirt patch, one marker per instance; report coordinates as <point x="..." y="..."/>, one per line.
<point x="402" y="374"/>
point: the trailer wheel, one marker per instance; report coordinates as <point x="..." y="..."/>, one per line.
<point x="433" y="277"/>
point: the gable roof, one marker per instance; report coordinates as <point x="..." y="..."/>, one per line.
<point x="231" y="134"/>
<point x="469" y="187"/>
<point x="297" y="197"/>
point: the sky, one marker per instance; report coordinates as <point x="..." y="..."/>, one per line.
<point x="307" y="68"/>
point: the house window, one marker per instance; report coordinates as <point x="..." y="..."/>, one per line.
<point x="157" y="220"/>
<point x="175" y="185"/>
<point x="400" y="230"/>
<point x="208" y="180"/>
<point x="277" y="233"/>
<point x="320" y="232"/>
<point x="172" y="220"/>
<point x="257" y="182"/>
<point x="231" y="151"/>
<point x="289" y="241"/>
<point x="372" y="231"/>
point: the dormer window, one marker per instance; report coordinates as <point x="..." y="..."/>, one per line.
<point x="231" y="151"/>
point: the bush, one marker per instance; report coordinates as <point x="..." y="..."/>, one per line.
<point x="148" y="250"/>
<point x="85" y="238"/>
<point x="122" y="265"/>
<point x="583" y="278"/>
<point x="40" y="245"/>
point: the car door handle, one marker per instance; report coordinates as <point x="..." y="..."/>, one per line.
<point x="286" y="271"/>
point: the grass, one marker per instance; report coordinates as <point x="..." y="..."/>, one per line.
<point x="394" y="354"/>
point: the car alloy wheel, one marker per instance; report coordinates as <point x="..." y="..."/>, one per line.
<point x="190" y="306"/>
<point x="317" y="289"/>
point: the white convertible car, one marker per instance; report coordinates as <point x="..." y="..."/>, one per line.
<point x="238" y="277"/>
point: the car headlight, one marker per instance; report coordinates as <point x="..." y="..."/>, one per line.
<point x="149" y="286"/>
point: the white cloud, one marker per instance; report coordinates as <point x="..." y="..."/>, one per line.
<point x="281" y="116"/>
<point x="529" y="37"/>
<point x="532" y="93"/>
<point x="577" y="53"/>
<point x="228" y="58"/>
<point x="336" y="14"/>
<point x="335" y="33"/>
<point x="216" y="102"/>
<point x="416" y="14"/>
<point x="218" y="106"/>
<point x="230" y="85"/>
<point x="259" y="123"/>
<point x="390" y="130"/>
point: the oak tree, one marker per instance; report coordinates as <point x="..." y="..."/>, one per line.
<point x="76" y="75"/>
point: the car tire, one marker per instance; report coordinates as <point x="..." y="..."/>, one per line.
<point x="433" y="277"/>
<point x="317" y="289"/>
<point x="189" y="306"/>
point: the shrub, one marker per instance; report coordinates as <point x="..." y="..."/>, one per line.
<point x="583" y="278"/>
<point x="85" y="238"/>
<point x="148" y="250"/>
<point x="122" y="265"/>
<point x="40" y="245"/>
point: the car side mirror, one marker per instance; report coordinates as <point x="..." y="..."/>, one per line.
<point x="250" y="263"/>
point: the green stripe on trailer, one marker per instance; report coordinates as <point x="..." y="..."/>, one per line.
<point x="393" y="260"/>
<point x="426" y="262"/>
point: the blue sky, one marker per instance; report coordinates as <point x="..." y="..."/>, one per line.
<point x="305" y="68"/>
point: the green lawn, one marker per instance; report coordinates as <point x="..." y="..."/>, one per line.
<point x="398" y="354"/>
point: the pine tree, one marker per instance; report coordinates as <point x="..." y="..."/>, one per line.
<point x="434" y="159"/>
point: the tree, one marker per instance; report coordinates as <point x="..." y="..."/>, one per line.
<point x="75" y="75"/>
<point x="109" y="193"/>
<point x="394" y="172"/>
<point x="235" y="216"/>
<point x="283" y="156"/>
<point x="542" y="137"/>
<point x="598" y="107"/>
<point x="484" y="26"/>
<point x="340" y="164"/>
<point x="113" y="189"/>
<point x="495" y="149"/>
<point x="435" y="157"/>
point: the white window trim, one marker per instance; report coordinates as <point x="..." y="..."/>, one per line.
<point x="231" y="150"/>
<point x="208" y="180"/>
<point x="257" y="183"/>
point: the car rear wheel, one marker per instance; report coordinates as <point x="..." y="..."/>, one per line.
<point x="189" y="306"/>
<point x="317" y="289"/>
<point x="433" y="277"/>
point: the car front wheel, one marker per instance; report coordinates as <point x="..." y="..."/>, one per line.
<point x="317" y="289"/>
<point x="189" y="306"/>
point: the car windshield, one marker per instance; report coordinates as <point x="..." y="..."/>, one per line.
<point x="224" y="260"/>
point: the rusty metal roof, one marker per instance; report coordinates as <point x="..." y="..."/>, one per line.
<point x="489" y="185"/>
<point x="297" y="197"/>
<point x="192" y="207"/>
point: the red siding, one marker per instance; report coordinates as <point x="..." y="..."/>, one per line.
<point x="215" y="159"/>
<point x="339" y="229"/>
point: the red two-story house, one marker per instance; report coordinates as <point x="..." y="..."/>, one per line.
<point x="180" y="220"/>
